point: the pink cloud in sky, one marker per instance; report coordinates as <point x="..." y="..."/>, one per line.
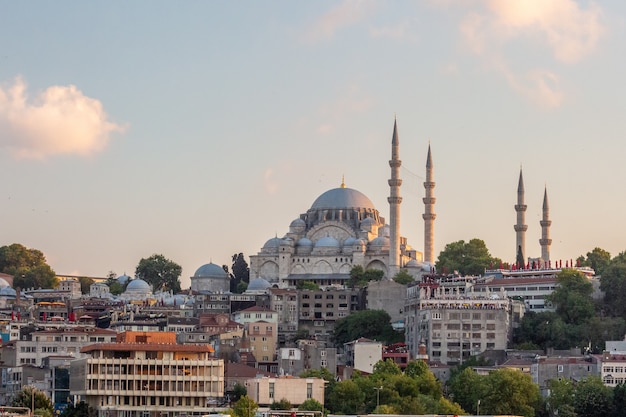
<point x="345" y="14"/>
<point x="59" y="120"/>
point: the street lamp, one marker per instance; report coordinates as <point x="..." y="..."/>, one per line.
<point x="378" y="395"/>
<point x="478" y="407"/>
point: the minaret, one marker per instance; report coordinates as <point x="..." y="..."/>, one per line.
<point x="394" y="200"/>
<point x="429" y="215"/>
<point x="545" y="223"/>
<point x="520" y="227"/>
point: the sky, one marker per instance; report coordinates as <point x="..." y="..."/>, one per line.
<point x="198" y="130"/>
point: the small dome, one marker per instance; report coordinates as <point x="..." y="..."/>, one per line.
<point x="349" y="241"/>
<point x="367" y="222"/>
<point x="305" y="242"/>
<point x="123" y="279"/>
<point x="272" y="243"/>
<point x="4" y="283"/>
<point x="211" y="270"/>
<point x="380" y="242"/>
<point x="7" y="291"/>
<point x="297" y="226"/>
<point x="138" y="285"/>
<point x="327" y="242"/>
<point x="413" y="264"/>
<point x="258" y="284"/>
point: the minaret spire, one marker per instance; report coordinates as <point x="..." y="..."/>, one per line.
<point x="545" y="223"/>
<point x="429" y="215"/>
<point x="394" y="200"/>
<point x="520" y="227"/>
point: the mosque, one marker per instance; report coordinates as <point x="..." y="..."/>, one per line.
<point x="343" y="229"/>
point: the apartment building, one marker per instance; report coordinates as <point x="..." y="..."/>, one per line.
<point x="147" y="374"/>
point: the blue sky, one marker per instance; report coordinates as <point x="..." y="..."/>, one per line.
<point x="201" y="129"/>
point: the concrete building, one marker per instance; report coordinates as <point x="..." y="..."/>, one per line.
<point x="362" y="354"/>
<point x="319" y="309"/>
<point x="389" y="296"/>
<point x="285" y="303"/>
<point x="148" y="374"/>
<point x="455" y="324"/>
<point x="62" y="341"/>
<point x="264" y="391"/>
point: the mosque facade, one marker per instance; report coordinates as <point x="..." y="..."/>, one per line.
<point x="343" y="229"/>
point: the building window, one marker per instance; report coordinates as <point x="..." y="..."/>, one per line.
<point x="323" y="353"/>
<point x="271" y="390"/>
<point x="309" y="390"/>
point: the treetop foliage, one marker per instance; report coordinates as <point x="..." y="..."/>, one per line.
<point x="27" y="266"/>
<point x="403" y="277"/>
<point x="240" y="276"/>
<point x="471" y="258"/>
<point x="160" y="272"/>
<point x="359" y="277"/>
<point x="370" y="324"/>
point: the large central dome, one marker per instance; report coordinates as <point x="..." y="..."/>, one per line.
<point x="342" y="198"/>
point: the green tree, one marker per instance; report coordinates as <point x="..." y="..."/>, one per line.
<point x="403" y="277"/>
<point x="359" y="277"/>
<point x="371" y="324"/>
<point x="85" y="284"/>
<point x="592" y="398"/>
<point x="385" y="368"/>
<point x="283" y="404"/>
<point x="561" y="396"/>
<point x="115" y="287"/>
<point x="238" y="392"/>
<point x="471" y="258"/>
<point x="510" y="392"/>
<point x="572" y="297"/>
<point x="598" y="259"/>
<point x="385" y="409"/>
<point x="29" y="396"/>
<point x="347" y="398"/>
<point x="311" y="405"/>
<point x="307" y="285"/>
<point x="240" y="272"/>
<point x="27" y="266"/>
<point x="467" y="387"/>
<point x="619" y="401"/>
<point x="245" y="407"/>
<point x="159" y="272"/>
<point x="82" y="409"/>
<point x="613" y="284"/>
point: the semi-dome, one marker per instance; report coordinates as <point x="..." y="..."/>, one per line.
<point x="380" y="242"/>
<point x="210" y="270"/>
<point x="305" y="242"/>
<point x="342" y="198"/>
<point x="258" y="284"/>
<point x="327" y="242"/>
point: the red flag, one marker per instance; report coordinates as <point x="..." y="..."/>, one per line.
<point x="12" y="315"/>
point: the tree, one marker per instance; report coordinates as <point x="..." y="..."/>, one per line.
<point x="283" y="404"/>
<point x="311" y="405"/>
<point x="471" y="258"/>
<point x="371" y="324"/>
<point x="572" y="297"/>
<point x="561" y="396"/>
<point x="85" y="284"/>
<point x="619" y="401"/>
<point x="467" y="387"/>
<point x="613" y="284"/>
<point x="238" y="392"/>
<point x="160" y="272"/>
<point x="29" y="396"/>
<point x="403" y="277"/>
<point x="115" y="287"/>
<point x="347" y="398"/>
<point x="598" y="259"/>
<point x="307" y="285"/>
<point x="592" y="398"/>
<point x="82" y="409"/>
<point x="241" y="272"/>
<point x="359" y="277"/>
<point x="385" y="368"/>
<point x="27" y="266"/>
<point x="510" y="392"/>
<point x="245" y="407"/>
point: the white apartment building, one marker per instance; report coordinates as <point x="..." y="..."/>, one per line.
<point x="264" y="391"/>
<point x="147" y="374"/>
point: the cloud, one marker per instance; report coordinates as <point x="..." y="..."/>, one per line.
<point x="345" y="14"/>
<point x="269" y="182"/>
<point x="563" y="27"/>
<point x="399" y="32"/>
<point x="60" y="120"/>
